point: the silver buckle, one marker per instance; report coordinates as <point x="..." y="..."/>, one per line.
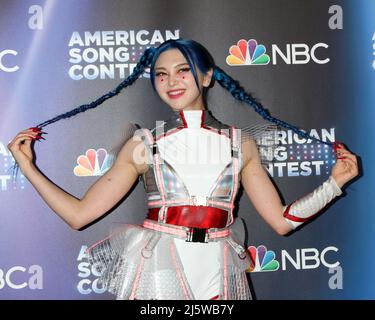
<point x="197" y="235"/>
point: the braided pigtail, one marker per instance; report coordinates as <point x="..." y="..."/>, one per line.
<point x="143" y="63"/>
<point x="240" y="94"/>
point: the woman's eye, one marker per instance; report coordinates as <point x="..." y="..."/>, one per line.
<point x="184" y="70"/>
<point x="159" y="74"/>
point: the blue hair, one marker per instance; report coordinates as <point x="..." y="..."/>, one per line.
<point x="138" y="70"/>
<point x="196" y="56"/>
<point x="240" y="94"/>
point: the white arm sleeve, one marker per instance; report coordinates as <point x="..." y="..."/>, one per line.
<point x="305" y="208"/>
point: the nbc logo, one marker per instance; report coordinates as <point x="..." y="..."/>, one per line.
<point x="262" y="260"/>
<point x="247" y="53"/>
<point x="93" y="163"/>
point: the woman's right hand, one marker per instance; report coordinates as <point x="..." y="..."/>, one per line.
<point x="20" y="146"/>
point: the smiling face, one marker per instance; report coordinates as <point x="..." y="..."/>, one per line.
<point x="175" y="82"/>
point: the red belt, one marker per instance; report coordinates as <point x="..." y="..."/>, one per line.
<point x="193" y="216"/>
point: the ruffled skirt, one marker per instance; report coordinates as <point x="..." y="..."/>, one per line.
<point x="140" y="263"/>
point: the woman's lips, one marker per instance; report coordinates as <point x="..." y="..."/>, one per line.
<point x="175" y="94"/>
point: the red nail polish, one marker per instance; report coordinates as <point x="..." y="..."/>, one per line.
<point x="339" y="144"/>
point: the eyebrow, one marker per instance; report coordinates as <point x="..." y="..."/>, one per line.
<point x="179" y="65"/>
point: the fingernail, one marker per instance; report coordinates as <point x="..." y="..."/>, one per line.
<point x="335" y="146"/>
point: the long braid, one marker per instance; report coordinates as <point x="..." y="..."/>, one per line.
<point x="240" y="94"/>
<point x="144" y="61"/>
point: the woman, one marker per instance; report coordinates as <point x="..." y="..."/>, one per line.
<point x="185" y="248"/>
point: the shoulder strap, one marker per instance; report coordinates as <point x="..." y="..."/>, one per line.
<point x="235" y="137"/>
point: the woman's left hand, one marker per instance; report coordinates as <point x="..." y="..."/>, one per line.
<point x="346" y="167"/>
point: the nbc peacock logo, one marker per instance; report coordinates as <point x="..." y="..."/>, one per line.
<point x="247" y="53"/>
<point x="93" y="163"/>
<point x="262" y="260"/>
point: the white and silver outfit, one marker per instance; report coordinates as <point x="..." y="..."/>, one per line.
<point x="185" y="248"/>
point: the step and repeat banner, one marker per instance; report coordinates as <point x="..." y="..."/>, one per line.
<point x="310" y="63"/>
